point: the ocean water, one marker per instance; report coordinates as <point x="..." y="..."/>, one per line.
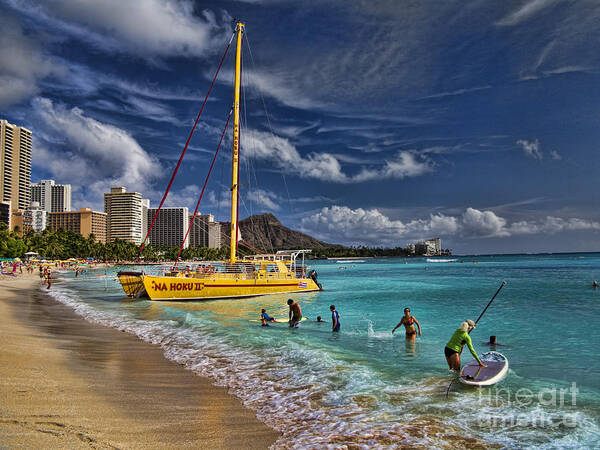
<point x="365" y="388"/>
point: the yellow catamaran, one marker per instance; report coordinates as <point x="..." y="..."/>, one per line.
<point x="282" y="272"/>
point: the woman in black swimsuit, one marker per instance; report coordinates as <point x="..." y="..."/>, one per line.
<point x="409" y="324"/>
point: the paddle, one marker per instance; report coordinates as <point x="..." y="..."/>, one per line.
<point x="488" y="305"/>
<point x="476" y="322"/>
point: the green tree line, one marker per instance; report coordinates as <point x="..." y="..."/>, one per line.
<point x="358" y="252"/>
<point x="62" y="244"/>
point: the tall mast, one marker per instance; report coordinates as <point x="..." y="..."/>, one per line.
<point x="236" y="144"/>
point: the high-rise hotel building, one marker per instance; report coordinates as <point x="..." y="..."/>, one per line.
<point x="51" y="197"/>
<point x="170" y="227"/>
<point x="206" y="232"/>
<point x="84" y="222"/>
<point x="124" y="215"/>
<point x="199" y="231"/>
<point x="15" y="165"/>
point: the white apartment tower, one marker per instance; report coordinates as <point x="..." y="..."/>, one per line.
<point x="51" y="197"/>
<point x="170" y="227"/>
<point x="145" y="223"/>
<point x="15" y="165"/>
<point x="37" y="217"/>
<point x="124" y="218"/>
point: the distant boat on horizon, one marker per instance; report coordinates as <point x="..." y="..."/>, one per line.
<point x="431" y="260"/>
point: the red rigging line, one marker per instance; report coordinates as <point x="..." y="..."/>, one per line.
<point x="186" y="145"/>
<point x="203" y="188"/>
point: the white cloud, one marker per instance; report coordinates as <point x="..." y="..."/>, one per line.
<point x="372" y="227"/>
<point x="457" y="92"/>
<point x="557" y="224"/>
<point x="531" y="148"/>
<point x="279" y="86"/>
<point x="369" y="226"/>
<point x="483" y="223"/>
<point x="353" y="225"/>
<point x="442" y="224"/>
<point x="405" y="164"/>
<point x="525" y="12"/>
<point x="98" y="155"/>
<point x="22" y="64"/>
<point x="294" y="131"/>
<point x="146" y="28"/>
<point x="325" y="166"/>
<point x="265" y="199"/>
<point x="188" y="196"/>
<point x="555" y="155"/>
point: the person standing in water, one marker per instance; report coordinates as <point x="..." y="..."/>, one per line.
<point x="335" y="319"/>
<point x="295" y="313"/>
<point x="455" y="345"/>
<point x="409" y="324"/>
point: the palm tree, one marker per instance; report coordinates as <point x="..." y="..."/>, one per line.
<point x="53" y="249"/>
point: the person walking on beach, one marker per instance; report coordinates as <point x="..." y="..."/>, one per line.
<point x="295" y="313"/>
<point x="455" y="345"/>
<point x="49" y="279"/>
<point x="335" y="319"/>
<point x="409" y="324"/>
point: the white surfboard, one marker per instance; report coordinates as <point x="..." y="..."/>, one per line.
<point x="475" y="375"/>
<point x="279" y="320"/>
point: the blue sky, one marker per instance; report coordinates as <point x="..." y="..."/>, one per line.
<point x="365" y="122"/>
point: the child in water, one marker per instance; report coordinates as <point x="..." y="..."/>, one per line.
<point x="265" y="318"/>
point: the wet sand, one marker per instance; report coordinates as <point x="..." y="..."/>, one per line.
<point x="67" y="383"/>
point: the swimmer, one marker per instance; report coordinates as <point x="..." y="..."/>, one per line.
<point x="492" y="342"/>
<point x="409" y="324"/>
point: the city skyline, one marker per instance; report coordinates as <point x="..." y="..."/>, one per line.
<point x="386" y="125"/>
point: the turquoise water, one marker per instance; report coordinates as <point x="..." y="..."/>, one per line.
<point x="365" y="387"/>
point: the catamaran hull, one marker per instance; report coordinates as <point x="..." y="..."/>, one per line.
<point x="182" y="289"/>
<point x="132" y="283"/>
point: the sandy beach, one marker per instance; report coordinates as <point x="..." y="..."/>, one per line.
<point x="67" y="383"/>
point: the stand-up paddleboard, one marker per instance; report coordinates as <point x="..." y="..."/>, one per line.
<point x="279" y="320"/>
<point x="475" y="375"/>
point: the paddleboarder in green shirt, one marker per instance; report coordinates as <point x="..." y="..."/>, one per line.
<point x="455" y="345"/>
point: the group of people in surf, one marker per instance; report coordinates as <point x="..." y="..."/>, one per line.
<point x="295" y="316"/>
<point x="452" y="350"/>
<point x="454" y="347"/>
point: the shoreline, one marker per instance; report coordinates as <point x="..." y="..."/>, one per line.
<point x="66" y="382"/>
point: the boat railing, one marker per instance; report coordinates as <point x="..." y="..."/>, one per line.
<point x="239" y="276"/>
<point x="241" y="271"/>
